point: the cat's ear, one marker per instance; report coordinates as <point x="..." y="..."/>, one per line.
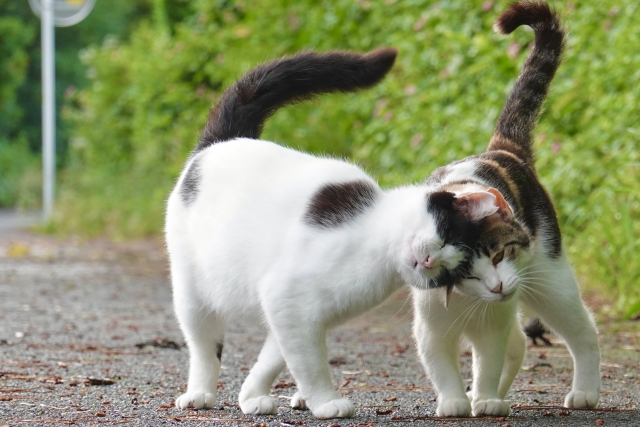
<point x="503" y="207"/>
<point x="476" y="205"/>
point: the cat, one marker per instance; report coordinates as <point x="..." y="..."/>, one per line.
<point x="518" y="255"/>
<point x="299" y="243"/>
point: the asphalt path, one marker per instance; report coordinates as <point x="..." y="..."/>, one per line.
<point x="88" y="337"/>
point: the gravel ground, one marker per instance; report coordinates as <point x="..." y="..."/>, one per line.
<point x="88" y="337"/>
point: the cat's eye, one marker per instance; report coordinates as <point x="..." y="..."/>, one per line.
<point x="498" y="257"/>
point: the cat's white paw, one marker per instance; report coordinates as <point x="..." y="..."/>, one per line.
<point x="261" y="405"/>
<point x="196" y="399"/>
<point x="454" y="407"/>
<point x="297" y="402"/>
<point x="338" y="408"/>
<point x="491" y="407"/>
<point x="582" y="399"/>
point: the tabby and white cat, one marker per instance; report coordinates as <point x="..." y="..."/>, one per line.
<point x="518" y="255"/>
<point x="259" y="232"/>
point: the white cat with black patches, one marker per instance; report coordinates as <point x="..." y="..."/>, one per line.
<point x="299" y="243"/>
<point x="518" y="254"/>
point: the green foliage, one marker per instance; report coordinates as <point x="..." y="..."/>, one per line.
<point x="13" y="66"/>
<point x="16" y="160"/>
<point x="15" y="157"/>
<point x="20" y="87"/>
<point x="148" y="98"/>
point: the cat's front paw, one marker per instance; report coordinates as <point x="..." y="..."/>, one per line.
<point x="454" y="407"/>
<point x="338" y="408"/>
<point x="298" y="402"/>
<point x="261" y="405"/>
<point x="196" y="399"/>
<point x="582" y="399"/>
<point x="491" y="407"/>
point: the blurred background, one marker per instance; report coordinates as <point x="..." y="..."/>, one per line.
<point x="134" y="82"/>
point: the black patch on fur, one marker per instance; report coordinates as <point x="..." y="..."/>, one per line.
<point x="336" y="204"/>
<point x="244" y="107"/>
<point x="190" y="183"/>
<point x="455" y="229"/>
<point x="219" y="347"/>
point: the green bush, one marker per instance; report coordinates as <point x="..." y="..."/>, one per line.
<point x="16" y="161"/>
<point x="147" y="102"/>
<point x="15" y="157"/>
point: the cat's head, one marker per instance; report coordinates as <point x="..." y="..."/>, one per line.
<point x="501" y="251"/>
<point x="440" y="248"/>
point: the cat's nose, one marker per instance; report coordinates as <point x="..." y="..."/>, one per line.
<point x="497" y="289"/>
<point x="430" y="262"/>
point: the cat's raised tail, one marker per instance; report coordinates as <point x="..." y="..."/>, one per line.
<point x="514" y="129"/>
<point x="244" y="107"/>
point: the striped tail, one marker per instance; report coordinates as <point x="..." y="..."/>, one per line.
<point x="244" y="107"/>
<point x="514" y="129"/>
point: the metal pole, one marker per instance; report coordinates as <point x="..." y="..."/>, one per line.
<point x="48" y="109"/>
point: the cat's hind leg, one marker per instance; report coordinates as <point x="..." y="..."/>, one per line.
<point x="307" y="358"/>
<point x="513" y="359"/>
<point x="552" y="293"/>
<point x="204" y="333"/>
<point x="302" y="339"/>
<point x="254" y="395"/>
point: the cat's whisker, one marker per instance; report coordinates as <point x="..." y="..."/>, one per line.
<point x="530" y="267"/>
<point x="467" y="309"/>
<point x="535" y="264"/>
<point x="470" y="313"/>
<point x="398" y="312"/>
<point x="536" y="276"/>
<point x="477" y="306"/>
<point x="535" y="273"/>
<point x="490" y="320"/>
<point x="533" y="268"/>
<point x="487" y="313"/>
<point x="533" y="293"/>
<point x="537" y="283"/>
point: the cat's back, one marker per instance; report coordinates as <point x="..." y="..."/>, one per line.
<point x="259" y="161"/>
<point x="257" y="172"/>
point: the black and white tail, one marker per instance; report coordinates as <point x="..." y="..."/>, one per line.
<point x="244" y="107"/>
<point x="515" y="125"/>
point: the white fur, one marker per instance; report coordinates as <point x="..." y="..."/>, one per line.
<point x="488" y="321"/>
<point x="241" y="251"/>
<point x="461" y="171"/>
